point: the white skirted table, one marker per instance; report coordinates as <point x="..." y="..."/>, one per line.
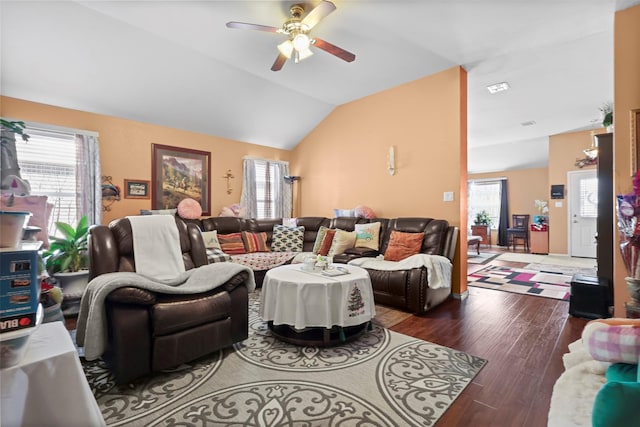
<point x="310" y="308"/>
<point x="48" y="386"/>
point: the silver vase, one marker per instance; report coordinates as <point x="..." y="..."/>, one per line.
<point x="633" y="285"/>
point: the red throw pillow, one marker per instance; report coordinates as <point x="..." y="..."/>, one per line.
<point x="326" y="242"/>
<point x="403" y="245"/>
<point x="255" y="242"/>
<point x="232" y="244"/>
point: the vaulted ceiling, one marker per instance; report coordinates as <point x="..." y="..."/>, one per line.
<point x="175" y="63"/>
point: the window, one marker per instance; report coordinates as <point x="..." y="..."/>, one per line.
<point x="265" y="188"/>
<point x="589" y="198"/>
<point x="485" y="196"/>
<point x="265" y="194"/>
<point x="61" y="165"/>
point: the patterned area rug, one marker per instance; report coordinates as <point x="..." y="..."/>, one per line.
<point x="522" y="281"/>
<point x="483" y="258"/>
<point x="381" y="379"/>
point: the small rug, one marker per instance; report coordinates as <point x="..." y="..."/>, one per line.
<point x="482" y="258"/>
<point x="561" y="260"/>
<point x="522" y="281"/>
<point x="560" y="269"/>
<point x="381" y="379"/>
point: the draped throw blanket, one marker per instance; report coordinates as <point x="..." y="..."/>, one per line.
<point x="92" y="319"/>
<point x="438" y="267"/>
<point x="156" y="246"/>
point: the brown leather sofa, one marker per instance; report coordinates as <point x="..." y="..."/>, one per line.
<point x="150" y="331"/>
<point x="406" y="289"/>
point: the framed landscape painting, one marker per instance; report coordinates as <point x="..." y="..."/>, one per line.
<point x="178" y="173"/>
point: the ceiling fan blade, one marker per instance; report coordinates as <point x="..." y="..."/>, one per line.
<point x="334" y="50"/>
<point x="320" y="11"/>
<point x="246" y="26"/>
<point x="279" y="62"/>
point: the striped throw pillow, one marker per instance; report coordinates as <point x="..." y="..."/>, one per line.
<point x="232" y="243"/>
<point x="255" y="242"/>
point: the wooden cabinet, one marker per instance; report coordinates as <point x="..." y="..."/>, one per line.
<point x="483" y="231"/>
<point x="539" y="242"/>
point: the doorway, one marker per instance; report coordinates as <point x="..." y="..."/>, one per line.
<point x="583" y="213"/>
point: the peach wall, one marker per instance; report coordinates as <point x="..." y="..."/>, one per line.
<point x="125" y="150"/>
<point x="343" y="161"/>
<point x="626" y="98"/>
<point x="524" y="186"/>
<point x="564" y="150"/>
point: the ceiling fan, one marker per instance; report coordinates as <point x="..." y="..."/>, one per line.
<point x="297" y="28"/>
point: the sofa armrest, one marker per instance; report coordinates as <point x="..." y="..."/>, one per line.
<point x="131" y="295"/>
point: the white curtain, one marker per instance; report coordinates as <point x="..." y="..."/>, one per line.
<point x="265" y="194"/>
<point x="89" y="178"/>
<point x="248" y="199"/>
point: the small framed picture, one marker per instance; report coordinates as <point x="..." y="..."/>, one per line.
<point x="136" y="189"/>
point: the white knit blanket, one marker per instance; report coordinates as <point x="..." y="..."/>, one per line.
<point x="156" y="246"/>
<point x="92" y="325"/>
<point x="439" y="268"/>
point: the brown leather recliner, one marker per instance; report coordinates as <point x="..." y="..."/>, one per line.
<point x="150" y="331"/>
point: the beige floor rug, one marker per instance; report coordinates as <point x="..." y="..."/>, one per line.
<point x="561" y="260"/>
<point x="381" y="379"/>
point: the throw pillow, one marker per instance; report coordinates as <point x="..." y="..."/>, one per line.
<point x="616" y="405"/>
<point x="613" y="340"/>
<point x="211" y="240"/>
<point x="232" y="243"/>
<point x="368" y="235"/>
<point x="255" y="242"/>
<point x="287" y="239"/>
<point x="622" y="372"/>
<point x="189" y="209"/>
<point x="403" y="245"/>
<point x="342" y="241"/>
<point x="364" y="212"/>
<point x="290" y="222"/>
<point x="158" y="211"/>
<point x="343" y="212"/>
<point x="322" y="231"/>
<point x="327" y="241"/>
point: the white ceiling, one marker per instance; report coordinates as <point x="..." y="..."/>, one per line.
<point x="176" y="64"/>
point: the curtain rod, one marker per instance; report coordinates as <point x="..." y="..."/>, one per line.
<point x="499" y="178"/>
<point x="54" y="128"/>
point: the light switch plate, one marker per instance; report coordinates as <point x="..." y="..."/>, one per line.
<point x="448" y="196"/>
<point x="558" y="204"/>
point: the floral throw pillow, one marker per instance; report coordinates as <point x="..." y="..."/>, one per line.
<point x="287" y="239"/>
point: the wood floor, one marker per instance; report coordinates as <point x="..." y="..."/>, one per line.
<point x="523" y="339"/>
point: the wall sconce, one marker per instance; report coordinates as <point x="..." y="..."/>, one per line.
<point x="391" y="164"/>
<point x="290" y="179"/>
<point x="229" y="176"/>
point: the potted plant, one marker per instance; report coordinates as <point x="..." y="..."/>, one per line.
<point x="67" y="260"/>
<point x="482" y="218"/>
<point x="607" y="116"/>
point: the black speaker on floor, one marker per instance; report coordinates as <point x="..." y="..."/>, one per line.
<point x="589" y="297"/>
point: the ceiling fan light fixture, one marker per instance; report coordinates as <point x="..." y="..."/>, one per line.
<point x="301" y="42"/>
<point x="286" y="48"/>
<point x="302" y="54"/>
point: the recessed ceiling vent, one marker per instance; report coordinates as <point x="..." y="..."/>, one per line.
<point x="529" y="123"/>
<point x="498" y="87"/>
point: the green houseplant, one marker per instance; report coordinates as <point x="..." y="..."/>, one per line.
<point x="68" y="254"/>
<point x="67" y="260"/>
<point x="482" y="218"/>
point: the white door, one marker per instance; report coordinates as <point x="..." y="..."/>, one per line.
<point x="583" y="213"/>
